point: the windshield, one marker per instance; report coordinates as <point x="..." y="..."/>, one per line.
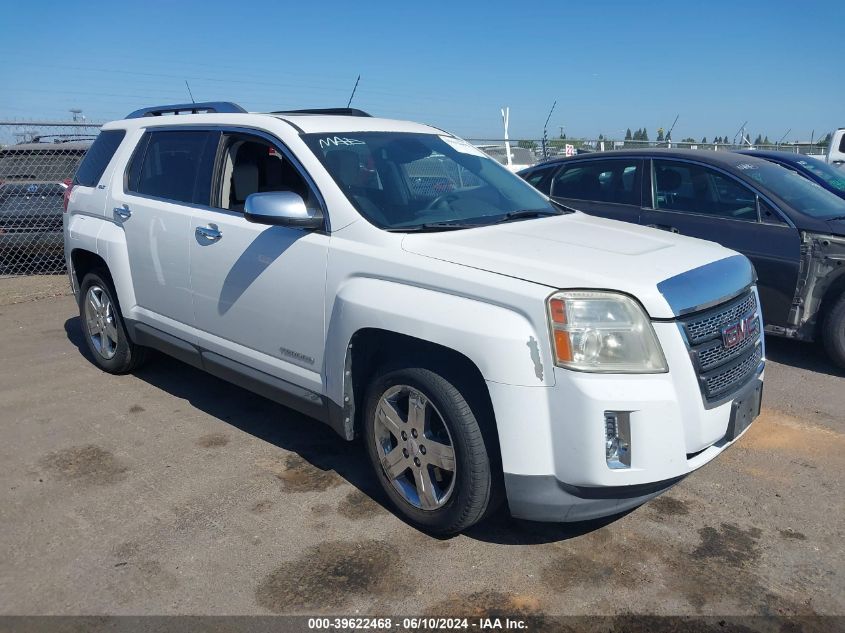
<point x="835" y="178"/>
<point x="801" y="193"/>
<point x="403" y="181"/>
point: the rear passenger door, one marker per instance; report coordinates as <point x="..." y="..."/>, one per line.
<point x="258" y="290"/>
<point x="168" y="177"/>
<point x="607" y="187"/>
<point x="700" y="201"/>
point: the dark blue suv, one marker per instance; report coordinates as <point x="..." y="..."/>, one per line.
<point x="791" y="229"/>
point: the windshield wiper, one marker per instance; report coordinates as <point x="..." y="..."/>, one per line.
<point x="836" y="217"/>
<point x="526" y="214"/>
<point x="431" y="227"/>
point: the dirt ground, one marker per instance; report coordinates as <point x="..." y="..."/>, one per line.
<point x="172" y="492"/>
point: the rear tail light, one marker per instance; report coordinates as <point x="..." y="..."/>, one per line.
<point x="66" y="198"/>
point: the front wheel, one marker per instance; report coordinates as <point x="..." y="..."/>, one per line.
<point x="103" y="326"/>
<point x="833" y="332"/>
<point x="427" y="449"/>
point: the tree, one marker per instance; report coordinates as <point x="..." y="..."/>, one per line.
<point x="824" y="142"/>
<point x="628" y="136"/>
<point x="766" y="141"/>
<point x="645" y="134"/>
<point x="703" y="140"/>
<point x="758" y="140"/>
<point x="689" y="139"/>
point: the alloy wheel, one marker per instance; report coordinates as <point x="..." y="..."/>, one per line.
<point x="100" y="320"/>
<point x="415" y="447"/>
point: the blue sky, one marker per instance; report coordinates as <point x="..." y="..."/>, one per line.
<point x="610" y="65"/>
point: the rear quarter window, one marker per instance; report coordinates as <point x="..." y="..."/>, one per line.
<point x="98" y="157"/>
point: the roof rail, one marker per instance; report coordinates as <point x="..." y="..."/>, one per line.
<point x="187" y="108"/>
<point x="330" y="111"/>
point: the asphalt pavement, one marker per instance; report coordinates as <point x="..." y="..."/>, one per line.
<point x="172" y="492"/>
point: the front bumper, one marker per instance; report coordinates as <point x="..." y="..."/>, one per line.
<point x="545" y="498"/>
<point x="552" y="439"/>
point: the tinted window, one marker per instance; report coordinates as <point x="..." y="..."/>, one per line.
<point x="539" y="178"/>
<point x="799" y="192"/>
<point x="599" y="180"/>
<point x="842" y="143"/>
<point x="176" y="166"/>
<point x="97" y="158"/>
<point x="698" y="189"/>
<point x="402" y="180"/>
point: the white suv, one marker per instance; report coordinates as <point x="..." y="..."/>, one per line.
<point x="394" y="282"/>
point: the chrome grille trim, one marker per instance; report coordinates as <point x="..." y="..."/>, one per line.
<point x="709" y="326"/>
<point x="723" y="371"/>
<point x="713" y="353"/>
<point x="721" y="381"/>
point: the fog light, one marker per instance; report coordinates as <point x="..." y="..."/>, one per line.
<point x="617" y="439"/>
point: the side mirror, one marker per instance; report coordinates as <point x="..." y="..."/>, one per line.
<point x="281" y="208"/>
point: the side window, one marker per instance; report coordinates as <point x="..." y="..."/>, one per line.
<point x="176" y="166"/>
<point x="539" y="179"/>
<point x="768" y="215"/>
<point x="251" y="164"/>
<point x="614" y="180"/>
<point x="98" y="157"/>
<point x="693" y="188"/>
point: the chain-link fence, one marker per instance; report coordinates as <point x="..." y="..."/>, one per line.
<point x="38" y="160"/>
<point x="526" y="152"/>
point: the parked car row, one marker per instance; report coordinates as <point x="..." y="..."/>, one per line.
<point x="34" y="177"/>
<point x="785" y="212"/>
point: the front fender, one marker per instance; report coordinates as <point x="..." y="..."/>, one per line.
<point x="501" y="342"/>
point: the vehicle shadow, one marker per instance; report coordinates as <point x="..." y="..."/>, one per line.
<point x="313" y="441"/>
<point x="801" y="355"/>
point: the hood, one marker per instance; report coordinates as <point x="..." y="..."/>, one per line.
<point x="581" y="251"/>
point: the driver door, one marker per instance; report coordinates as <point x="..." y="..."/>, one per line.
<point x="258" y="290"/>
<point x="699" y="201"/>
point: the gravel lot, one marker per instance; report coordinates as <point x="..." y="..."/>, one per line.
<point x="171" y="492"/>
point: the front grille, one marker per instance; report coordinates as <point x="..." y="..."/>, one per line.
<point x="722" y="370"/>
<point x="701" y="328"/>
<point x="723" y="380"/>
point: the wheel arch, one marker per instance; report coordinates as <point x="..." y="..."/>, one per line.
<point x="83" y="262"/>
<point x="372" y="349"/>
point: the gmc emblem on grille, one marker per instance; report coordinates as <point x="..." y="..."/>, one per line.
<point x="735" y="333"/>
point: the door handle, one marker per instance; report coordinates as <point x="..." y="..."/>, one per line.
<point x="124" y="213"/>
<point x="663" y="227"/>
<point x="210" y="233"/>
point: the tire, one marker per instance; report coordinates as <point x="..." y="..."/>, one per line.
<point x="401" y="446"/>
<point x="103" y="327"/>
<point x="833" y="332"/>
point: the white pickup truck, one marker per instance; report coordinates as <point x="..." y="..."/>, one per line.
<point x="393" y="281"/>
<point x="836" y="150"/>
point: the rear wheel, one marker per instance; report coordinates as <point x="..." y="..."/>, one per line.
<point x="833" y="332"/>
<point x="103" y="326"/>
<point x="427" y="449"/>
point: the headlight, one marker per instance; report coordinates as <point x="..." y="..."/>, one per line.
<point x="603" y="332"/>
